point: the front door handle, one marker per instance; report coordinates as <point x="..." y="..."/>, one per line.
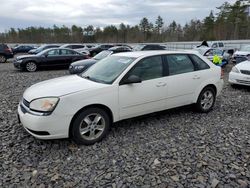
<point x="161" y="84"/>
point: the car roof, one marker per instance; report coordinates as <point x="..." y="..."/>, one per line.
<point x="138" y="54"/>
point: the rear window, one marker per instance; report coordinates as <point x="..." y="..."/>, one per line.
<point x="201" y="65"/>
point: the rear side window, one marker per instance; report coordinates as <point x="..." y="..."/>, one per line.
<point x="179" y="63"/>
<point x="201" y="65"/>
<point x="148" y="68"/>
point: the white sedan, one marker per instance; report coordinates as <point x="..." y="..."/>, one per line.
<point x="240" y="74"/>
<point x="121" y="86"/>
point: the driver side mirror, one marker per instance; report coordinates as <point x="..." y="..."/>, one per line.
<point x="132" y="79"/>
<point x="45" y="55"/>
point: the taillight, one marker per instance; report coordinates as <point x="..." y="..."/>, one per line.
<point x="8" y="50"/>
<point x="221" y="74"/>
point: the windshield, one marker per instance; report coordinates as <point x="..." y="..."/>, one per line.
<point x="245" y="48"/>
<point x="139" y="47"/>
<point x="42" y="52"/>
<point x="108" y="69"/>
<point x="102" y="55"/>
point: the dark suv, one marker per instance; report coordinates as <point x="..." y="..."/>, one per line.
<point x="5" y="53"/>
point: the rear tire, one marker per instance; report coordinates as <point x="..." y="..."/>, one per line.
<point x="206" y="100"/>
<point x="31" y="66"/>
<point x="2" y="59"/>
<point x="90" y="126"/>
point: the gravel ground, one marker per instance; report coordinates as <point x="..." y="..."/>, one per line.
<point x="174" y="148"/>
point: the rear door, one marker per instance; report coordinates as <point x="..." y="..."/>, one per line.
<point x="182" y="80"/>
<point x="70" y="56"/>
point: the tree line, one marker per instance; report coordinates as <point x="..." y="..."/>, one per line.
<point x="232" y="22"/>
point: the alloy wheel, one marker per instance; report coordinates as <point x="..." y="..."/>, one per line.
<point x="92" y="126"/>
<point x="207" y="100"/>
<point x="31" y="67"/>
<point x="2" y="59"/>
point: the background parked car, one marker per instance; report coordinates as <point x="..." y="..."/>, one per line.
<point x="82" y="65"/>
<point x="211" y="52"/>
<point x="241" y="55"/>
<point x="22" y="49"/>
<point x="143" y="47"/>
<point x="99" y="48"/>
<point x="5" y="53"/>
<point x="240" y="73"/>
<point x="55" y="57"/>
<point x="43" y="47"/>
<point x="82" y="48"/>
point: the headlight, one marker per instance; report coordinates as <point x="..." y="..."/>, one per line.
<point x="44" y="104"/>
<point x="79" y="67"/>
<point x="234" y="69"/>
<point x="19" y="61"/>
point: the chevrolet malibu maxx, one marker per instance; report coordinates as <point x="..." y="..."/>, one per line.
<point x="83" y="107"/>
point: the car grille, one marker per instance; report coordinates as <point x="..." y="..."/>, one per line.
<point x="245" y="72"/>
<point x="26" y="103"/>
<point x="23" y="109"/>
<point x="243" y="82"/>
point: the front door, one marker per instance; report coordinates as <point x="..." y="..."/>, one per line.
<point x="149" y="95"/>
<point x="53" y="58"/>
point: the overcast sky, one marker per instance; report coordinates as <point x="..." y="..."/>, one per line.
<point x="25" y="13"/>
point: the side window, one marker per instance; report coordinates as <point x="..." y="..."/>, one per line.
<point x="201" y="65"/>
<point x="67" y="52"/>
<point x="148" y="68"/>
<point x="221" y="44"/>
<point x="215" y="45"/>
<point x="53" y="53"/>
<point x="217" y="52"/>
<point x="148" y="47"/>
<point x="77" y="46"/>
<point x="179" y="63"/>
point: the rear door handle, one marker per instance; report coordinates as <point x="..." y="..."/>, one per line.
<point x="161" y="84"/>
<point x="196" y="77"/>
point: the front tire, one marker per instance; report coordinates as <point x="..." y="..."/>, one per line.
<point x="90" y="126"/>
<point x="2" y="59"/>
<point x="206" y="100"/>
<point x="31" y="66"/>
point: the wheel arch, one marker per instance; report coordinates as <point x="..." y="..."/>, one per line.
<point x="101" y="106"/>
<point x="208" y="85"/>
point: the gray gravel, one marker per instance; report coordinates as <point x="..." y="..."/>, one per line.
<point x="174" y="148"/>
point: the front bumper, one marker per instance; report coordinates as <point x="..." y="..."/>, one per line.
<point x="238" y="78"/>
<point x="17" y="65"/>
<point x="53" y="126"/>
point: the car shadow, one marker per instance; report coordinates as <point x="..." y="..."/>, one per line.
<point x="241" y="87"/>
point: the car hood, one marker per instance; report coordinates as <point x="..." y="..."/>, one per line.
<point x="241" y="53"/>
<point x="84" y="62"/>
<point x="24" y="56"/>
<point x="245" y="65"/>
<point x="60" y="86"/>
